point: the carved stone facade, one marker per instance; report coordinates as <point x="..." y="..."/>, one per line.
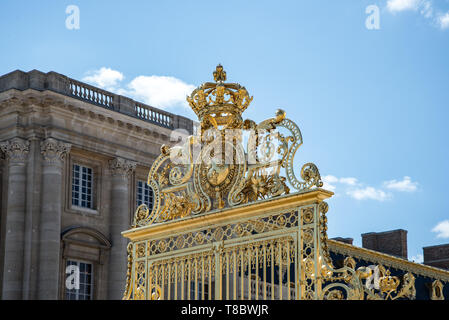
<point x="51" y="127"/>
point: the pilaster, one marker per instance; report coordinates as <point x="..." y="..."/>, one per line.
<point x="16" y="151"/>
<point x="120" y="173"/>
<point x="53" y="153"/>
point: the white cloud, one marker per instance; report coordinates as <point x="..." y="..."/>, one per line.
<point x="360" y="191"/>
<point x="368" y="193"/>
<point x="426" y="9"/>
<point x="330" y="178"/>
<point x="443" y="21"/>
<point x="405" y="185"/>
<point x="104" y="78"/>
<point x="330" y="181"/>
<point x="162" y="92"/>
<point x="419" y="258"/>
<point x="402" y="5"/>
<point x="350" y="181"/>
<point x="442" y="229"/>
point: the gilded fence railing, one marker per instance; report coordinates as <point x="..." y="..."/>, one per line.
<point x="261" y="253"/>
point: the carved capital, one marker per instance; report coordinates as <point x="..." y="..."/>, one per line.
<point x="54" y="151"/>
<point x="16" y="149"/>
<point x="121" y="167"/>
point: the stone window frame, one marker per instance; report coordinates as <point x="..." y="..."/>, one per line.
<point x="99" y="263"/>
<point x="97" y="173"/>
<point x="141" y="173"/>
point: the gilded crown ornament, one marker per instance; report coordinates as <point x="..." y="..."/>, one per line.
<point x="215" y="169"/>
<point x="219" y="104"/>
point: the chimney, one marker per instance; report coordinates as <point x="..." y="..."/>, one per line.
<point x="344" y="240"/>
<point x="392" y="242"/>
<point x="437" y="256"/>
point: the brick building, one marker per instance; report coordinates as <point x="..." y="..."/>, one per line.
<point x="394" y="243"/>
<point x="437" y="256"/>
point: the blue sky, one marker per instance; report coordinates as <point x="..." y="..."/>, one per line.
<point x="372" y="104"/>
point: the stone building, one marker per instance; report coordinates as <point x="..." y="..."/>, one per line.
<point x="74" y="164"/>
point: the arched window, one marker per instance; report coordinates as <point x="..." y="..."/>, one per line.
<point x="85" y="254"/>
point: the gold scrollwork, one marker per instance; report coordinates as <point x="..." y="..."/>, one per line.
<point x="128" y="287"/>
<point x="308" y="215"/>
<point x="436" y="290"/>
<point x="334" y="295"/>
<point x="186" y="182"/>
<point x="156" y="293"/>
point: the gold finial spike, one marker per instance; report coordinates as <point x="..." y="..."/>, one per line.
<point x="219" y="74"/>
<point x="280" y="115"/>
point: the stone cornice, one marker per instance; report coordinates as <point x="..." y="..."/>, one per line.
<point x="121" y="167"/>
<point x="63" y="86"/>
<point x="54" y="151"/>
<point x="84" y="109"/>
<point x="16" y="149"/>
<point x="40" y="114"/>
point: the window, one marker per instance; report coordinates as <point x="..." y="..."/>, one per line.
<point x="82" y="178"/>
<point x="144" y="194"/>
<point x="82" y="290"/>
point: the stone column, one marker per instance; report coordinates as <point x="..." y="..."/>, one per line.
<point x="54" y="153"/>
<point x="120" y="170"/>
<point x="16" y="151"/>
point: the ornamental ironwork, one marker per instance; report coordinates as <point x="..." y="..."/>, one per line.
<point x="232" y="221"/>
<point x="217" y="168"/>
